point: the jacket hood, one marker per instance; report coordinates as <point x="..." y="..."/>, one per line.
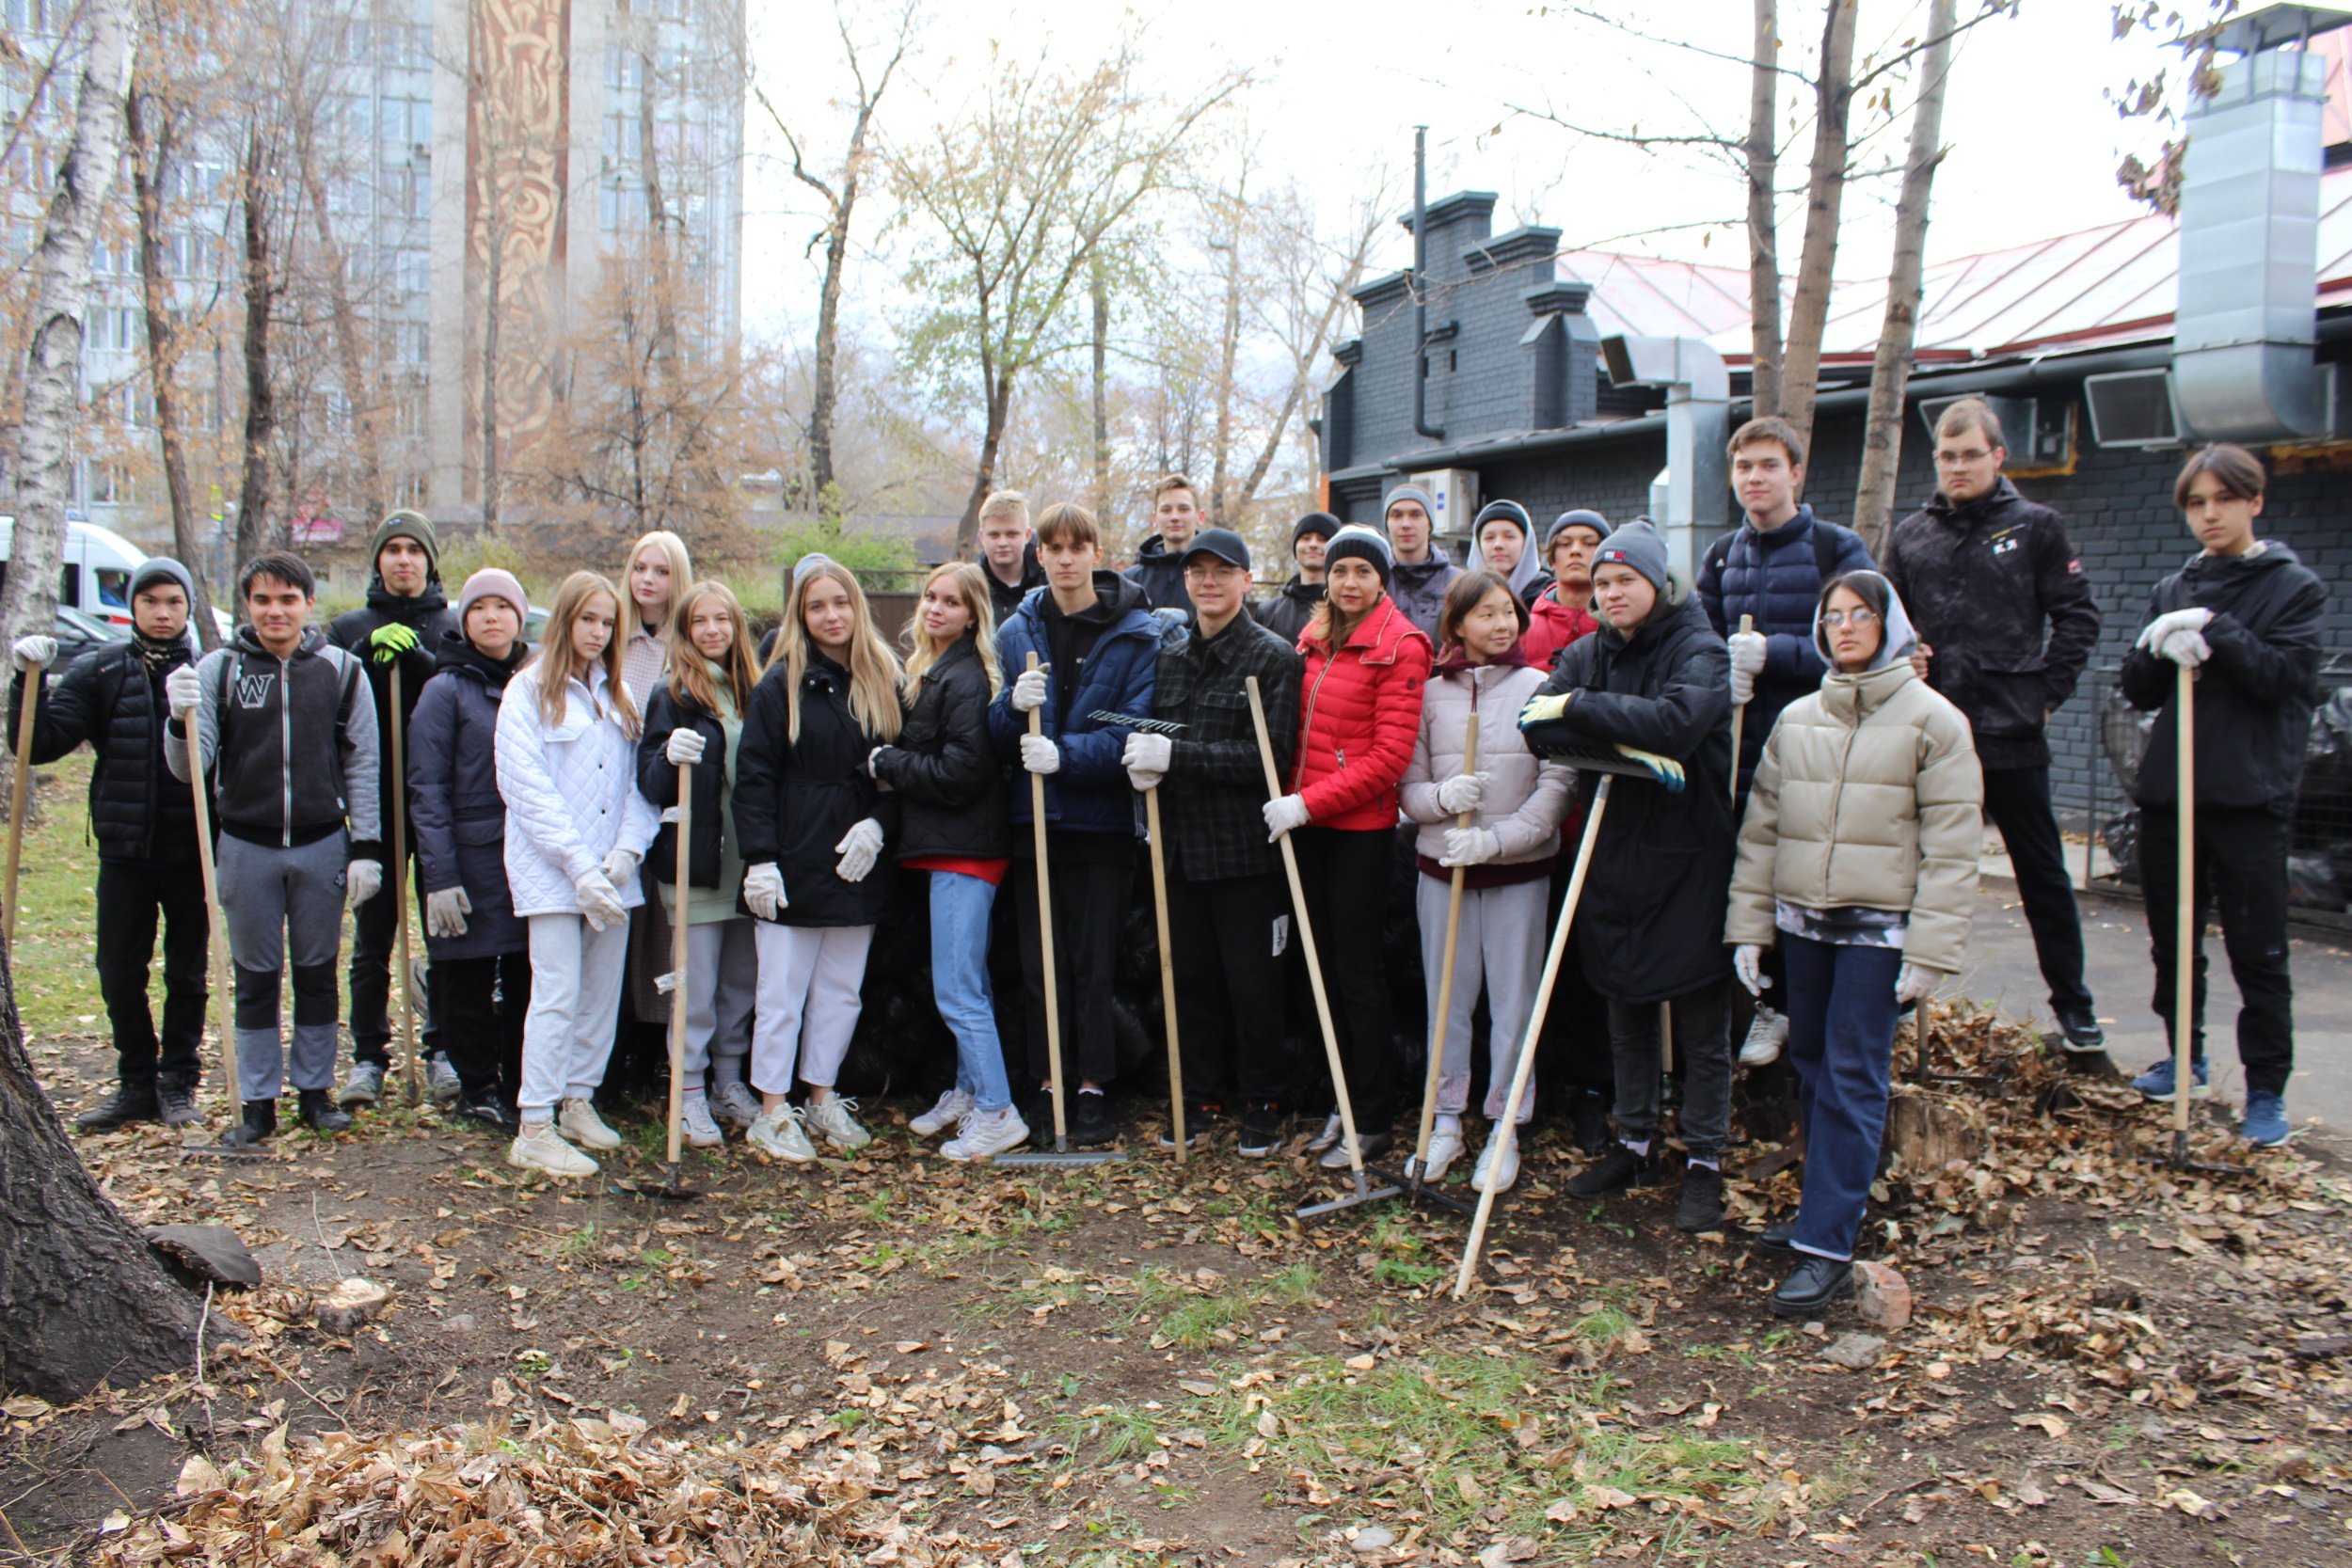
<point x="2002" y="493"/>
<point x="1418" y="571"/>
<point x="1155" y="549"/>
<point x="248" y="641"/>
<point x="456" y="653"/>
<point x="1898" y="643"/>
<point x="1675" y="605"/>
<point x="2266" y="555"/>
<point x="1305" y="592"/>
<point x="1115" y="597"/>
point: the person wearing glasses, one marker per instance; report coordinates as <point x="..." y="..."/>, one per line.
<point x="2006" y="620"/>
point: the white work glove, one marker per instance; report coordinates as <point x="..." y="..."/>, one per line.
<point x="1145" y="759"/>
<point x="599" y="901"/>
<point x="684" y="746"/>
<point x="1029" y="689"/>
<point x="859" y="848"/>
<point x="1039" y="756"/>
<point x="182" y="691"/>
<point x="1742" y="686"/>
<point x="1747" y="650"/>
<point x="1284" y="814"/>
<point x="1747" y="962"/>
<point x="2178" y="635"/>
<point x="363" y="880"/>
<point x="35" y="649"/>
<point x="1914" y="981"/>
<point x="1469" y="846"/>
<point x="445" y="912"/>
<point x="763" y="890"/>
<point x="619" y="866"/>
<point x="2185" y="646"/>
<point x="1461" y="793"/>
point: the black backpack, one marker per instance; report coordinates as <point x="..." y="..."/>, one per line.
<point x="1824" y="550"/>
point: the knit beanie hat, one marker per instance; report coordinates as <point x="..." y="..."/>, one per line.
<point x="1510" y="512"/>
<point x="491" y="584"/>
<point x="163" y="569"/>
<point x="1408" y="492"/>
<point x="406" y="524"/>
<point x="1358" y="542"/>
<point x="1637" y="546"/>
<point x="1314" y="522"/>
<point x="1578" y="519"/>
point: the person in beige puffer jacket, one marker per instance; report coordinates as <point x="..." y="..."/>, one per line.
<point x="1516" y="804"/>
<point x="1859" y="856"/>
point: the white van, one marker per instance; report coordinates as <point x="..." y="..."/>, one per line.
<point x="96" y="575"/>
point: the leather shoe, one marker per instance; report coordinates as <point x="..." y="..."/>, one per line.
<point x="1811" y="1290"/>
<point x="1778" y="1239"/>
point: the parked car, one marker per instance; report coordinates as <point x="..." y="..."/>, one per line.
<point x="79" y="635"/>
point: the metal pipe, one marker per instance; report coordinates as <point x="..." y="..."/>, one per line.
<point x="1421" y="287"/>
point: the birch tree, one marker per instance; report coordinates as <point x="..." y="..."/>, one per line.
<point x="1824" y="202"/>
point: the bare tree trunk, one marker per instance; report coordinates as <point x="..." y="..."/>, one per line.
<point x="491" y="281"/>
<point x="1220" y="504"/>
<point x="48" y="414"/>
<point x="151" y="164"/>
<point x="984" y="478"/>
<point x="255" y="532"/>
<point x="357" y="386"/>
<point x="1825" y="194"/>
<point x="1102" y="292"/>
<point x="1883" y="431"/>
<point x="656" y="224"/>
<point x="1763" y="222"/>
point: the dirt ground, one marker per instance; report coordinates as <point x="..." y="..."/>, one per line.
<point x="2108" y="1364"/>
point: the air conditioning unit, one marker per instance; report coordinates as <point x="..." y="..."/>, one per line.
<point x="2132" y="408"/>
<point x="2039" y="433"/>
<point x="1455" y="491"/>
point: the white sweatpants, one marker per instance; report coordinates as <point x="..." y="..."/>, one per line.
<point x="1502" y="940"/>
<point x="575" y="1003"/>
<point x="809" y="978"/>
<point x="722" y="986"/>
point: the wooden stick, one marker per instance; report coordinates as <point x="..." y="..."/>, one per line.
<point x="1168" y="968"/>
<point x="20" y="789"/>
<point x="412" y="1091"/>
<point x="1419" y="1167"/>
<point x="2184" y="941"/>
<point x="1509" y="1126"/>
<point x="678" y="964"/>
<point x="1307" y="941"/>
<point x="216" y="928"/>
<point x="1045" y="936"/>
<point x="1739" y="717"/>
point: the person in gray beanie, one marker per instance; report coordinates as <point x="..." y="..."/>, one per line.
<point x="1420" y="573"/>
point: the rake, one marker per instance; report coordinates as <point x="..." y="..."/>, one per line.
<point x="1159" y="910"/>
<point x="216" y="931"/>
<point x="670" y="1186"/>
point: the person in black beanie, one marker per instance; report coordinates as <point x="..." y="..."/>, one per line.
<point x="145" y="823"/>
<point x="1288" y="611"/>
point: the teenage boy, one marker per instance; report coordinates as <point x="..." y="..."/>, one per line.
<point x="1009" y="552"/>
<point x="1655" y="678"/>
<point x="2005" y="621"/>
<point x="1097" y="644"/>
<point x="1772" y="567"/>
<point x="1560" y="614"/>
<point x="1287" y="613"/>
<point x="1419" y="573"/>
<point x="1159" y="568"/>
<point x="1228" y="906"/>
<point x="284" y="723"/>
<point x="145" y="823"/>
<point x="400" y="628"/>
<point x="2248" y="617"/>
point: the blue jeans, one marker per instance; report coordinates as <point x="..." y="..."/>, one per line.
<point x="1841" y="1036"/>
<point x="960" y="909"/>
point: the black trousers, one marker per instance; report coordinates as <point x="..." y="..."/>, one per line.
<point x="1089" y="914"/>
<point x="477" y="1006"/>
<point x="2241" y="874"/>
<point x="371" y="950"/>
<point x="1346" y="879"/>
<point x="129" y="898"/>
<point x="1228" y="938"/>
<point x="2018" y="801"/>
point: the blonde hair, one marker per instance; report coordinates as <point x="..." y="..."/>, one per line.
<point x="873" y="668"/>
<point x="681" y="569"/>
<point x="972" y="588"/>
<point x="1006" y="503"/>
<point x="690" y="678"/>
<point x="555" y="658"/>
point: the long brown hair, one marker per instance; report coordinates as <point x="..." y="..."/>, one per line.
<point x="1328" y="626"/>
<point x="873" y="668"/>
<point x="972" y="588"/>
<point x="556" y="656"/>
<point x="690" y="668"/>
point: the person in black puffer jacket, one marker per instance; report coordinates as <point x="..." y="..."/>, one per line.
<point x="957" y="832"/>
<point x="145" y="823"/>
<point x="1292" y="606"/>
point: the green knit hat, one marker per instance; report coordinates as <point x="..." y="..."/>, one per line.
<point x="406" y="524"/>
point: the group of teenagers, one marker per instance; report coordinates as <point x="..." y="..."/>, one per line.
<point x="1828" y="866"/>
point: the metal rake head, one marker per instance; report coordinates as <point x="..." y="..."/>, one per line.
<point x="1157" y="726"/>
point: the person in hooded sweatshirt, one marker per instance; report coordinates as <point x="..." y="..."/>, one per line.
<point x="1858" y="860"/>
<point x="1288" y="611"/>
<point x="1655" y="678"/>
<point x="400" y="628"/>
<point x="284" y="723"/>
<point x="2248" y="617"/>
<point x="1009" y="553"/>
<point x="1418" y="571"/>
<point x="1504" y="537"/>
<point x="1159" y="568"/>
<point x="480" y="947"/>
<point x="145" y="825"/>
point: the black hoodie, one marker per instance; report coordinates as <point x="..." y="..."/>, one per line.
<point x="428" y="616"/>
<point x="1004" y="598"/>
<point x="1161" y="576"/>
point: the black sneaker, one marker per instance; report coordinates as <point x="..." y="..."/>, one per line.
<point x="1091" y="1123"/>
<point x="1778" y="1241"/>
<point x="1201" y="1124"/>
<point x="1616" y="1171"/>
<point x="484" y="1110"/>
<point x="177" y="1100"/>
<point x="1702" y="1206"/>
<point x="133" y="1099"/>
<point x="1813" y="1288"/>
<point x="260" y="1120"/>
<point x="319" y="1111"/>
<point x="1261" y="1131"/>
<point x="2078" y="1027"/>
<point x="1588" y="1119"/>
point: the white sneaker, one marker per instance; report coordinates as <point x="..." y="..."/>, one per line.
<point x="578" y="1120"/>
<point x="952" y="1108"/>
<point x="694" y="1122"/>
<point x="1445" y="1147"/>
<point x="539" y="1146"/>
<point x="835" y="1118"/>
<point x="779" y="1132"/>
<point x="1332" y="1130"/>
<point x="1766" y="1035"/>
<point x="1496" y="1164"/>
<point x="735" y="1105"/>
<point x="986" y="1134"/>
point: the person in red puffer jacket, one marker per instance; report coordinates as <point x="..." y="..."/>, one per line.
<point x="1562" y="613"/>
<point x="1359" y="716"/>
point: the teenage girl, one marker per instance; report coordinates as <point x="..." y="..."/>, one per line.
<point x="658" y="572"/>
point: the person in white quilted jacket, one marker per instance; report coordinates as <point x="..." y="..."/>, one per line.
<point x="576" y="829"/>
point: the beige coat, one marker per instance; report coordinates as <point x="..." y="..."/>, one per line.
<point x="1869" y="795"/>
<point x="1524" y="801"/>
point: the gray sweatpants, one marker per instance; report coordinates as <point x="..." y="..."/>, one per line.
<point x="722" y="986"/>
<point x="282" y="903"/>
<point x="1502" y="939"/>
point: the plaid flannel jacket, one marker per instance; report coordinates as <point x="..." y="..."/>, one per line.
<point x="1212" y="806"/>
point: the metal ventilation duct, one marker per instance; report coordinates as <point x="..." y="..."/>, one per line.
<point x="2250" y="250"/>
<point x="1698" y="426"/>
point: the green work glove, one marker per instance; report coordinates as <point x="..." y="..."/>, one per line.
<point x="1664" y="769"/>
<point x="389" y="642"/>
<point x="1542" y="710"/>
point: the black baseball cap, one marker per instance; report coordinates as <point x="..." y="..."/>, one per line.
<point x="1222" y="543"/>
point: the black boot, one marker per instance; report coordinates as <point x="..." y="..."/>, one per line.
<point x="133" y="1099"/>
<point x="260" y="1120"/>
<point x="1702" y="1206"/>
<point x="320" y="1113"/>
<point x="176" y="1096"/>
